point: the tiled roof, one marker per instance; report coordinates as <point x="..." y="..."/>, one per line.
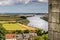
<point x="9" y="36"/>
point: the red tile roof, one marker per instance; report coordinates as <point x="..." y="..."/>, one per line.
<point x="9" y="36"/>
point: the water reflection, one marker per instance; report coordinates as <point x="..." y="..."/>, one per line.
<point x="36" y="21"/>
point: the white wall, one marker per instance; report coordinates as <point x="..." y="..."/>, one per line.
<point x="10" y="39"/>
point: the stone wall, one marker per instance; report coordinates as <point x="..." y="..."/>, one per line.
<point x="54" y="20"/>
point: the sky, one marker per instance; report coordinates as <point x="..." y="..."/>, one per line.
<point x="23" y="6"/>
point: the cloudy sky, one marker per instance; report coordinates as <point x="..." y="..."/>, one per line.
<point x="23" y="6"/>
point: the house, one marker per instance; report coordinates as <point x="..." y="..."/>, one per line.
<point x="32" y="35"/>
<point x="26" y="36"/>
<point x="10" y="37"/>
<point x="19" y="36"/>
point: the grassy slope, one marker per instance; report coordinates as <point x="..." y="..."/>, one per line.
<point x="17" y="26"/>
<point x="45" y="17"/>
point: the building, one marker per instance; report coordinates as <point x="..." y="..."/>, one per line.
<point x="54" y="20"/>
<point x="10" y="37"/>
<point x="19" y="36"/>
<point x="32" y="35"/>
<point x="26" y="36"/>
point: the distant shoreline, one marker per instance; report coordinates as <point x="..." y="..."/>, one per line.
<point x="25" y="13"/>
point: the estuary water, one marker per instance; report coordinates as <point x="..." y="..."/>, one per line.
<point x="36" y="21"/>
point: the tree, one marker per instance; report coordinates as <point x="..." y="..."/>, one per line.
<point x="39" y="32"/>
<point x="26" y="31"/>
<point x="45" y="32"/>
<point x="23" y="17"/>
<point x="18" y="32"/>
<point x="2" y="32"/>
<point x="45" y="37"/>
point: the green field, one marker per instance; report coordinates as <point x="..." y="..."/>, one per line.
<point x="17" y="26"/>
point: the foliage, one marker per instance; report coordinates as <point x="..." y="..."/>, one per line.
<point x="2" y="32"/>
<point x="39" y="32"/>
<point x="23" y="21"/>
<point x="23" y="17"/>
<point x="18" y="32"/>
<point x="26" y="31"/>
<point x="45" y="18"/>
<point x="45" y="32"/>
<point x="43" y="37"/>
<point x="37" y="38"/>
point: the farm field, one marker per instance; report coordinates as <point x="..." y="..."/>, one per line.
<point x="17" y="26"/>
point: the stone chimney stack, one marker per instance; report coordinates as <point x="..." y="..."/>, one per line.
<point x="54" y="20"/>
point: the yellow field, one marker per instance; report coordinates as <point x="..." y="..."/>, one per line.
<point x="17" y="26"/>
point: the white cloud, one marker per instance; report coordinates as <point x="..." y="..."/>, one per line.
<point x="42" y="0"/>
<point x="23" y="1"/>
<point x="11" y="2"/>
<point x="6" y="2"/>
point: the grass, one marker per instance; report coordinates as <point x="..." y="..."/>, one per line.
<point x="17" y="26"/>
<point x="43" y="37"/>
<point x="23" y="21"/>
<point x="45" y="17"/>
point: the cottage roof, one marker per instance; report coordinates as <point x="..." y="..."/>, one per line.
<point x="9" y="36"/>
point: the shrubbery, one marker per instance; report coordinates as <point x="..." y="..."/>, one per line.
<point x="23" y="20"/>
<point x="23" y="17"/>
<point x="2" y="32"/>
<point x="39" y="32"/>
<point x="43" y="37"/>
<point x="45" y="17"/>
<point x="26" y="31"/>
<point x="17" y="32"/>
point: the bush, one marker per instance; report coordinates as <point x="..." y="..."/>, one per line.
<point x="18" y="32"/>
<point x="45" y="18"/>
<point x="43" y="37"/>
<point x="37" y="38"/>
<point x="45" y="32"/>
<point x="39" y="32"/>
<point x="23" y="17"/>
<point x="23" y="21"/>
<point x="26" y="31"/>
<point x="2" y="32"/>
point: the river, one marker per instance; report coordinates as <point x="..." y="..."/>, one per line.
<point x="36" y="21"/>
